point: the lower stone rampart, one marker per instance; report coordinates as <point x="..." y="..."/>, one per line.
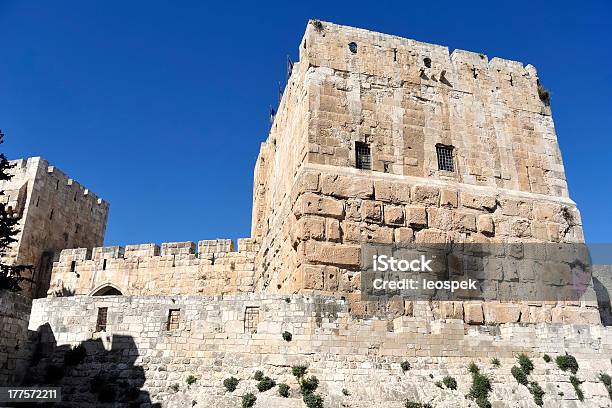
<point x="14" y="316"/>
<point x="150" y="345"/>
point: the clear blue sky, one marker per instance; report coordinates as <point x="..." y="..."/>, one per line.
<point x="160" y="108"/>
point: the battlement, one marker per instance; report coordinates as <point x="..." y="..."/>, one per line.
<point x="187" y="249"/>
<point x="208" y="267"/>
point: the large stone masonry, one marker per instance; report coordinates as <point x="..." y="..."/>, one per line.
<point x="313" y="210"/>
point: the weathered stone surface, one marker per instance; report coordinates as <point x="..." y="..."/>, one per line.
<point x="310" y="203"/>
<point x="371" y="211"/>
<point x="449" y="198"/>
<point x="416" y="216"/>
<point x="473" y="313"/>
<point x="485" y="224"/>
<point x="478" y="202"/>
<point x="331" y="253"/>
<point x="426" y="195"/>
<point x="345" y="186"/>
<point x="394" y="215"/>
<point x="391" y="192"/>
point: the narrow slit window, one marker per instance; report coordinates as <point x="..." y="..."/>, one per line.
<point x="72" y="266"/>
<point x="173" y="319"/>
<point x="51" y="215"/>
<point x="445" y="158"/>
<point x="102" y="317"/>
<point x="363" y="158"/>
<point x="104" y="265"/>
<point x="251" y="319"/>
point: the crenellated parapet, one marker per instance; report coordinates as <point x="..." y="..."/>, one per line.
<point x="208" y="267"/>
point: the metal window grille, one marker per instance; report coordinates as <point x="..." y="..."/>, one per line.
<point x="445" y="158"/>
<point x="173" y="319"/>
<point x="102" y="316"/>
<point x="251" y="319"/>
<point x="363" y="159"/>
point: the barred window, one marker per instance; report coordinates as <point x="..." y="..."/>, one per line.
<point x="251" y="319"/>
<point x="363" y="159"/>
<point x="173" y="319"/>
<point x="102" y="316"/>
<point x="445" y="158"/>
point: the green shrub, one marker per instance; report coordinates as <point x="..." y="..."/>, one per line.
<point x="537" y="393"/>
<point x="544" y="94"/>
<point x="283" y="390"/>
<point x="248" y="400"/>
<point x="567" y="363"/>
<point x="175" y="387"/>
<point x="450" y="382"/>
<point x="287" y="336"/>
<point x="299" y="370"/>
<point x="309" y="385"/>
<point x="576" y="384"/>
<point x="317" y="25"/>
<point x="191" y="379"/>
<point x="258" y="375"/>
<point x="230" y="384"/>
<point x="519" y="375"/>
<point x="439" y="384"/>
<point x="495" y="362"/>
<point x="525" y="363"/>
<point x="345" y="392"/>
<point x="481" y="386"/>
<point x="405" y="366"/>
<point x="313" y="400"/>
<point x="473" y="368"/>
<point x="547" y="358"/>
<point x="265" y="384"/>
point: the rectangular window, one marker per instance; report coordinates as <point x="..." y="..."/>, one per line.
<point x="72" y="266"/>
<point x="104" y="265"/>
<point x="445" y="158"/>
<point x="102" y="316"/>
<point x="251" y="319"/>
<point x="173" y="319"/>
<point x="363" y="159"/>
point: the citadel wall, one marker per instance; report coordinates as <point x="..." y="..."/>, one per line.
<point x="55" y="213"/>
<point x="175" y="268"/>
<point x="14" y="346"/>
<point x="220" y="336"/>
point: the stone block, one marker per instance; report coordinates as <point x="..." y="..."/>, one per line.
<point x="310" y="227"/>
<point x="478" y="202"/>
<point x="393" y="214"/>
<point x="371" y="211"/>
<point x="332" y="253"/>
<point x="332" y="229"/>
<point x="403" y="235"/>
<point x="485" y="224"/>
<point x="448" y="198"/>
<point x="416" y="216"/>
<point x="426" y="195"/>
<point x="473" y="313"/>
<point x="440" y="218"/>
<point x="310" y="203"/>
<point x="391" y="192"/>
<point x="346" y="186"/>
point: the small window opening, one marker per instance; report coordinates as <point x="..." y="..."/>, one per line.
<point x="173" y="319"/>
<point x="51" y="215"/>
<point x="363" y="159"/>
<point x="395" y="54"/>
<point x="386" y="167"/>
<point x="427" y="62"/>
<point x="77" y="228"/>
<point x="104" y="265"/>
<point x="511" y="80"/>
<point x="75" y="196"/>
<point x="72" y="266"/>
<point x="102" y="317"/>
<point x="251" y="319"/>
<point x="57" y="185"/>
<point x="475" y="72"/>
<point x="37" y="201"/>
<point x="353" y="47"/>
<point x="445" y="158"/>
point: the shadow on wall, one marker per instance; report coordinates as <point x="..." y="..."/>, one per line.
<point x="97" y="372"/>
<point x="603" y="301"/>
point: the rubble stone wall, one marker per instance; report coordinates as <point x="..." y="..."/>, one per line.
<point x="213" y="341"/>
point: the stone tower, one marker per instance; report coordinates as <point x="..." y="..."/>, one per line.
<point x="382" y="139"/>
<point x="55" y="213"/>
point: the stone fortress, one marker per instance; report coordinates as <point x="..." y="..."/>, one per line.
<point x="377" y="140"/>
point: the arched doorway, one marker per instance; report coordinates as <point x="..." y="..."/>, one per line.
<point x="107" y="290"/>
